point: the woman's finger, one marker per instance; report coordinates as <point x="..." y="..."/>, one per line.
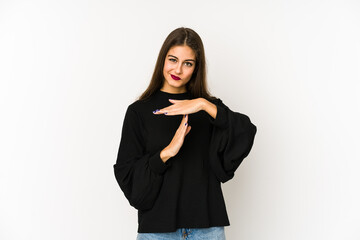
<point x="187" y="130"/>
<point x="184" y="120"/>
<point x="175" y="101"/>
<point x="166" y="111"/>
<point x="184" y="124"/>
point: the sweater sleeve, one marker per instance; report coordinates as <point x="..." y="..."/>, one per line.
<point x="231" y="141"/>
<point x="138" y="173"/>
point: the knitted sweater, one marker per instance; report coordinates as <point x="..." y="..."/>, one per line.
<point x="184" y="192"/>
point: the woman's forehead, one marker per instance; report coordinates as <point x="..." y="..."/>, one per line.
<point x="182" y="52"/>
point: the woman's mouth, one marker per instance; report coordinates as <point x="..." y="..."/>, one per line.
<point x="175" y="77"/>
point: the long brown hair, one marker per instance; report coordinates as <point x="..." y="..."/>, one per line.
<point x="197" y="86"/>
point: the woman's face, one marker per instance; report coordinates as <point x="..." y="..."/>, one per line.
<point x="178" y="68"/>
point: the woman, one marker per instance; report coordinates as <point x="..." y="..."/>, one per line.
<point x="178" y="144"/>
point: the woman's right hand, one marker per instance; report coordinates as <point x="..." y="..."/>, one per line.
<point x="173" y="148"/>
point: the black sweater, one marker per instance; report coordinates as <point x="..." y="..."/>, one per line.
<point x="184" y="192"/>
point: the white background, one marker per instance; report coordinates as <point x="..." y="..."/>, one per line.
<point x="69" y="69"/>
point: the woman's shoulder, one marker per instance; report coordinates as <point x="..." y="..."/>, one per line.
<point x="139" y="105"/>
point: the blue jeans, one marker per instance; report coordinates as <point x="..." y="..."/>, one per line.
<point x="213" y="233"/>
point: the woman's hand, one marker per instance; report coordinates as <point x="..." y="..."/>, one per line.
<point x="173" y="148"/>
<point x="181" y="107"/>
<point x="188" y="107"/>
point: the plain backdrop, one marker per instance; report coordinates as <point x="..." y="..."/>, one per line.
<point x="69" y="69"/>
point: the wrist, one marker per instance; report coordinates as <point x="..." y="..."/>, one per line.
<point x="208" y="107"/>
<point x="202" y="103"/>
<point x="165" y="154"/>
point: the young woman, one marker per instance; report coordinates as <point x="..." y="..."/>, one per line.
<point x="178" y="144"/>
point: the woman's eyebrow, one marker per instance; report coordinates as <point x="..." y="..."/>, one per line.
<point x="184" y="60"/>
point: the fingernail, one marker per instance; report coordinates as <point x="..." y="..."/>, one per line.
<point x="185" y="115"/>
<point x="171" y="99"/>
<point x="156" y="111"/>
<point x="185" y="124"/>
<point x="165" y="112"/>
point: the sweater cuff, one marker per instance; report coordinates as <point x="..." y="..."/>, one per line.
<point x="156" y="163"/>
<point x="220" y="120"/>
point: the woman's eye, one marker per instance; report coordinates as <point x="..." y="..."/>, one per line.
<point x="172" y="59"/>
<point x="188" y="64"/>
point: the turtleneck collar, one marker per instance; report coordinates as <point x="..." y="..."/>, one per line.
<point x="173" y="95"/>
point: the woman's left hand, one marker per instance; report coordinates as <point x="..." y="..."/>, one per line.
<point x="182" y="107"/>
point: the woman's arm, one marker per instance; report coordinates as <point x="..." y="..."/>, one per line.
<point x="139" y="173"/>
<point x="231" y="141"/>
<point x="232" y="136"/>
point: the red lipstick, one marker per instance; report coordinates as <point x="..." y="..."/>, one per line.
<point x="175" y="77"/>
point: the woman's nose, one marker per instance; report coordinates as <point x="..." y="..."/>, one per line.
<point x="178" y="69"/>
